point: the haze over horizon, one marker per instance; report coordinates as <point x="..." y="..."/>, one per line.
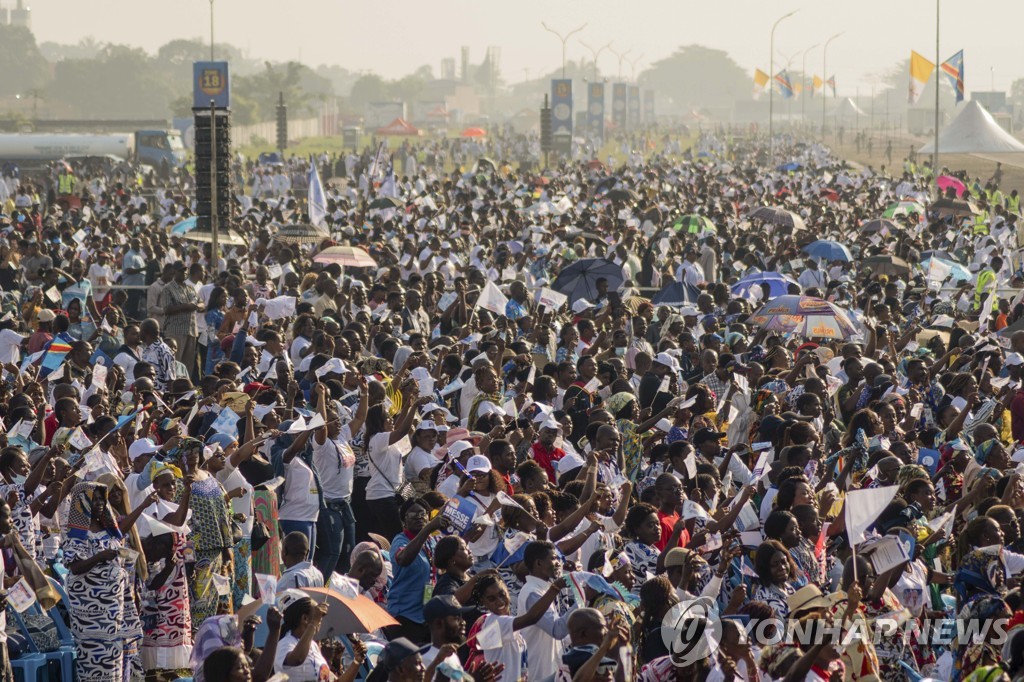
<point x="877" y="34"/>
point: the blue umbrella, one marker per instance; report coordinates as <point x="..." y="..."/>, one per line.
<point x="676" y="294"/>
<point x="186" y="225"/>
<point x="957" y="271"/>
<point x="579" y="280"/>
<point x="788" y="167"/>
<point x="828" y="250"/>
<point x="778" y="284"/>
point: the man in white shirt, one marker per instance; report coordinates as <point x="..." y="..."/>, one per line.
<point x="690" y="272"/>
<point x="298" y="571"/>
<point x="813" y="278"/>
<point x="445" y="617"/>
<point x="543" y="640"/>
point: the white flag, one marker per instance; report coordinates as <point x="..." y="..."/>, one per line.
<point x="317" y="200"/>
<point x="492" y="299"/>
<point x="863" y="507"/>
<point x="489" y="636"/>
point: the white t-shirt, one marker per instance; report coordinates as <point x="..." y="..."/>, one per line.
<point x="385" y="461"/>
<point x="299" y="344"/>
<point x="101" y="276"/>
<point x="301" y="502"/>
<point x="512" y="652"/>
<point x="418" y="460"/>
<point x="314" y="669"/>
<point x="329" y="458"/>
<point x="488" y="542"/>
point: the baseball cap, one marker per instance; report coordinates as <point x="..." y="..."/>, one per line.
<point x="478" y="463"/>
<point x="430" y="408"/>
<point x="581" y="305"/>
<point x="668" y="361"/>
<point x="143" y="446"/>
<point x="1013" y="359"/>
<point x="457" y="448"/>
<point x="46" y="315"/>
<point x="426" y="425"/>
<point x="444" y="606"/>
<point x="707" y="434"/>
<point x="570" y="461"/>
<point x="286" y="598"/>
<point x="676" y="556"/>
<point x="396" y="651"/>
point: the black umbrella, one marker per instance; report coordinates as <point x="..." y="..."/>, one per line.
<point x="886" y="265"/>
<point x="622" y="195"/>
<point x="385" y="202"/>
<point x="676" y="294"/>
<point x="953" y="207"/>
<point x="605" y="183"/>
<point x="579" y="280"/>
<point x="778" y="216"/>
<point x="301" y="233"/>
<point x="877" y="225"/>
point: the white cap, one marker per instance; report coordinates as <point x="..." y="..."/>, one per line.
<point x="551" y="423"/>
<point x="667" y="360"/>
<point x="581" y="305"/>
<point x="478" y="463"/>
<point x="252" y="341"/>
<point x="332" y="366"/>
<point x="458" y="447"/>
<point x="1013" y="359"/>
<point x="688" y="311"/>
<point x="143" y="446"/>
<point x="430" y="408"/>
<point x="569" y="462"/>
<point x="487" y="407"/>
<point x="427" y="425"/>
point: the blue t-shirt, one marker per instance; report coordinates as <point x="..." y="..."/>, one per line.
<point x="405" y="597"/>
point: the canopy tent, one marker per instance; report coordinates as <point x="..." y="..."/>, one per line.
<point x="399" y="127"/>
<point x="846" y="108"/>
<point x="974" y="131"/>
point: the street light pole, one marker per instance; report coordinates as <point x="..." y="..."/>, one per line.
<point x="564" y="39"/>
<point x="621" y="56"/>
<point x="211" y="30"/>
<point x="938" y="67"/>
<point x="632" y="66"/>
<point x="771" y="88"/>
<point x="803" y="78"/>
<point x="824" y="80"/>
<point x="595" y="53"/>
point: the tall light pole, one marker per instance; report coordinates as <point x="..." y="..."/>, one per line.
<point x="595" y="53"/>
<point x="824" y="80"/>
<point x="621" y="56"/>
<point x="771" y="86"/>
<point x="564" y="39"/>
<point x="803" y="79"/>
<point x="938" y="67"/>
<point x="632" y="66"/>
<point x="211" y="30"/>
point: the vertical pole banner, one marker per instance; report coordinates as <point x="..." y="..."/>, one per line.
<point x="633" y="117"/>
<point x="619" y="106"/>
<point x="649" y="107"/>
<point x="595" y="109"/>
<point x="561" y="105"/>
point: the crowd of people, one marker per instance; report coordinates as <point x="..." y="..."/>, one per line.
<point x="706" y="415"/>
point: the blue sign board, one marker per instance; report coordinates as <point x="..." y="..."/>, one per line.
<point x="210" y="83"/>
<point x="561" y="105"/>
<point x="595" y="109"/>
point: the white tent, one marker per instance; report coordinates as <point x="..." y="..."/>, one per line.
<point x="846" y="108"/>
<point x="974" y="131"/>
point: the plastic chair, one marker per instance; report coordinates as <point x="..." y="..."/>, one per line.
<point x="31" y="663"/>
<point x="259" y="638"/>
<point x="67" y="653"/>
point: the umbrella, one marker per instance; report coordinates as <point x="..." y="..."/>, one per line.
<point x="301" y="233"/>
<point x="956" y="270"/>
<point x="695" y="224"/>
<point x="953" y="207"/>
<point x="605" y="184"/>
<point x="224" y="237"/>
<point x="676" y="294"/>
<point x="186" y="225"/>
<point x="579" y="280"/>
<point x="778" y="216"/>
<point x="474" y="132"/>
<point x="778" y="284"/>
<point x="484" y="161"/>
<point x="886" y="265"/>
<point x="828" y="250"/>
<point x="805" y="315"/>
<point x="946" y="181"/>
<point x="385" y="202"/>
<point x="594" y="164"/>
<point x="347" y="615"/>
<point x="352" y="256"/>
<point x="903" y="208"/>
<point x="789" y="167"/>
<point x="878" y="225"/>
<point x="940" y="254"/>
<point x="622" y="195"/>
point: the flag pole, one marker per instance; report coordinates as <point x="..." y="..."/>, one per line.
<point x="935" y="154"/>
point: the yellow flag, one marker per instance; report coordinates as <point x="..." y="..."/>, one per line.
<point x="760" y="78"/>
<point x="818" y="83"/>
<point x="920" y="71"/>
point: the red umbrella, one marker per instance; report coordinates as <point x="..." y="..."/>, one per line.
<point x="474" y="132"/>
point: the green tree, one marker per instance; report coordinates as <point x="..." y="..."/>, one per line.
<point x="369" y="88"/>
<point x="24" y="66"/>
<point x="697" y="76"/>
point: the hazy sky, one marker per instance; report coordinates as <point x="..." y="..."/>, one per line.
<point x="393" y="37"/>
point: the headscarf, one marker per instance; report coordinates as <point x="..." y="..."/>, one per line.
<point x="80" y="515"/>
<point x="155" y="468"/>
<point x="981" y="452"/>
<point x="114" y="481"/>
<point x="618" y="401"/>
<point x="911" y="472"/>
<point x="214" y="633"/>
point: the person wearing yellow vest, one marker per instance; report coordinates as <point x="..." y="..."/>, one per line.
<point x="986" y="283"/>
<point x="66" y="182"/>
<point x="1013" y="203"/>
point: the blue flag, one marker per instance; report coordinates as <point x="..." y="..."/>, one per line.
<point x="954" y="70"/>
<point x="317" y="198"/>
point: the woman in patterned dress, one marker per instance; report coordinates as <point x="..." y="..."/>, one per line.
<point x="95" y="585"/>
<point x="166" y="616"/>
<point x="135" y="571"/>
<point x="210" y="535"/>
